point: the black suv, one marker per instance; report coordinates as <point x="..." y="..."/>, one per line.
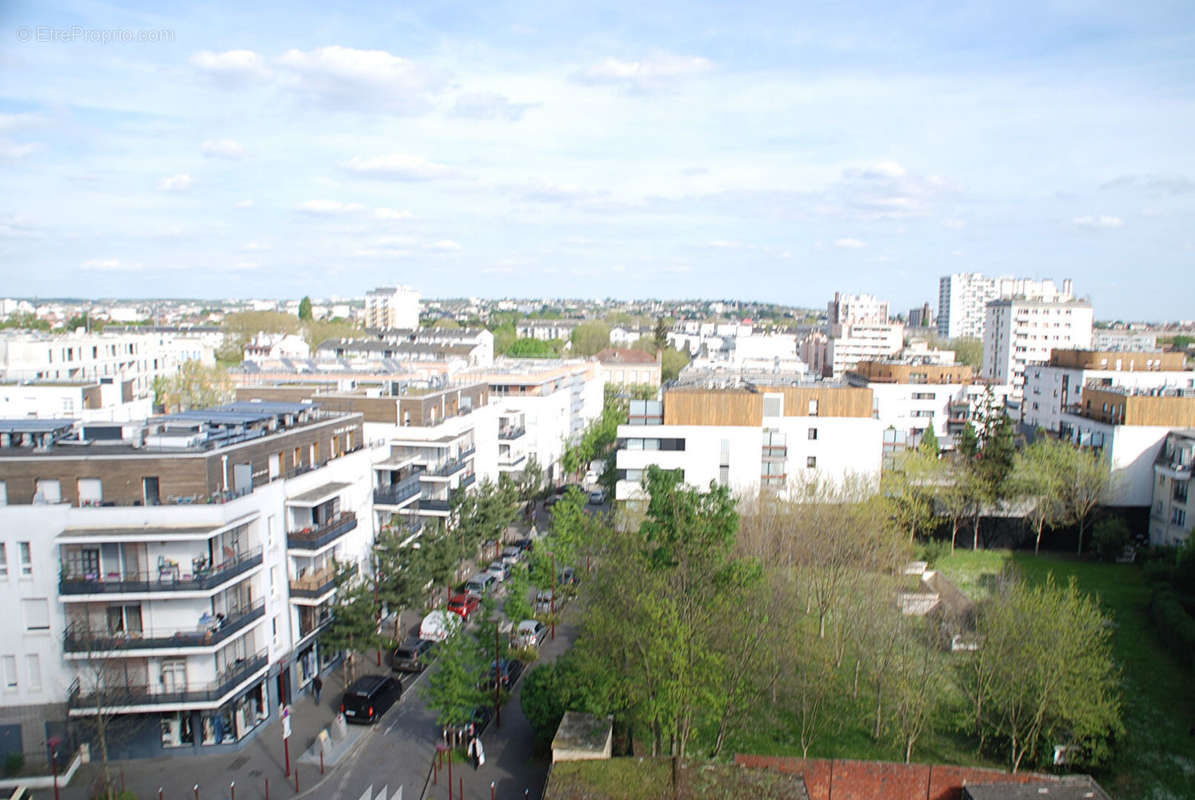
<point x="369" y="697"/>
<point x="413" y="655"/>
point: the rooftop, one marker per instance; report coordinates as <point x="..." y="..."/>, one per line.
<point x="625" y="355"/>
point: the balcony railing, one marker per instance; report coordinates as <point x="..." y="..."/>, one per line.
<point x="509" y="434"/>
<point x="468" y="480"/>
<point x="144" y="694"/>
<point x="163" y="580"/>
<point x="450" y="467"/>
<point x="80" y="640"/>
<point x="330" y="531"/>
<point x="435" y="505"/>
<point x="396" y="493"/>
<point x="511" y="460"/>
<point x="318" y="583"/>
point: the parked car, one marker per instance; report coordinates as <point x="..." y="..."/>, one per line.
<point x="597" y="497"/>
<point x="438" y="625"/>
<point x="369" y="697"/>
<point x="507" y="671"/>
<point x="543" y="602"/>
<point x="464" y="604"/>
<point x="551" y="501"/>
<point x="531" y="633"/>
<point x="512" y="555"/>
<point x="413" y="655"/>
<point x="500" y="570"/>
<point x="526" y="545"/>
<point x="480" y="584"/>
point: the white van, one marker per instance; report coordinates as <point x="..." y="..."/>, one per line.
<point x="481" y="584"/>
<point x="438" y="625"/>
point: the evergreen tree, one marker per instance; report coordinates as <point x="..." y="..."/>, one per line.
<point x="929" y="442"/>
<point x="305" y="309"/>
<point x="660" y="334"/>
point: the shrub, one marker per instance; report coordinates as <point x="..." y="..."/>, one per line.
<point x="933" y="551"/>
<point x="1110" y="536"/>
<point x="14" y="763"/>
<point x="1175" y="626"/>
<point x="1159" y="572"/>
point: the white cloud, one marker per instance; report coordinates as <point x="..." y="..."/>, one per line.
<point x="244" y="204"/>
<point x="222" y="148"/>
<point x="444" y="245"/>
<point x="257" y="246"/>
<point x="724" y="244"/>
<point x="850" y="244"/>
<point x="366" y="80"/>
<point x="876" y="171"/>
<point x="398" y="167"/>
<point x="328" y="207"/>
<point x="489" y="105"/>
<point x="954" y="224"/>
<point x="650" y="73"/>
<point x="230" y="66"/>
<point x="1102" y="221"/>
<point x="392" y="213"/>
<point x="12" y="122"/>
<point x="11" y="151"/>
<point x="109" y="265"/>
<point x="176" y="183"/>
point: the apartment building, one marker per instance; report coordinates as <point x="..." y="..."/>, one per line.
<point x="857" y="309"/>
<point x="1172" y="514"/>
<point x="131" y="361"/>
<point x="547" y="329"/>
<point x="845" y="346"/>
<point x="1019" y="332"/>
<point x="1129" y="427"/>
<point x="751" y="438"/>
<point x="175" y="572"/>
<point x="627" y="367"/>
<point x="963" y="299"/>
<point x="466" y="346"/>
<point x="88" y="401"/>
<point x="1124" y="340"/>
<point x="1055" y="387"/>
<point x="392" y="307"/>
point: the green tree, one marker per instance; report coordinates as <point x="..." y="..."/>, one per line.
<point x="446" y="322"/>
<point x="482" y="516"/>
<point x="531" y="348"/>
<point x="518" y="590"/>
<point x="967" y="351"/>
<point x="84" y="321"/>
<point x="401" y="571"/>
<point x="452" y="689"/>
<point x="194" y="386"/>
<point x="589" y="338"/>
<point x="504" y="336"/>
<point x="1036" y="480"/>
<point x="909" y="487"/>
<point x="1045" y="674"/>
<point x="660" y="333"/>
<point x="672" y="362"/>
<point x="929" y="442"/>
<point x="1084" y="477"/>
<point x="354" y="626"/>
<point x="305" y="309"/>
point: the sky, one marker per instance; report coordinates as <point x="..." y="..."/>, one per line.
<point x="760" y="151"/>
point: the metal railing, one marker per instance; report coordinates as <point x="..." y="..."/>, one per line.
<point x="396" y="493"/>
<point x="318" y="583"/>
<point x="450" y="467"/>
<point x="511" y="433"/>
<point x="79" y="639"/>
<point x="315" y="538"/>
<point x="147" y="694"/>
<point x="164" y="580"/>
<point x="468" y="480"/>
<point x="435" y="505"/>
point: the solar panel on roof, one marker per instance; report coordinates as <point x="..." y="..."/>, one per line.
<point x="27" y="425"/>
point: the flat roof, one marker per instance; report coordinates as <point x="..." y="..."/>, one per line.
<point x="313" y="497"/>
<point x="29" y="425"/>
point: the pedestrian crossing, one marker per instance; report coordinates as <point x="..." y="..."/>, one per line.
<point x="381" y="795"/>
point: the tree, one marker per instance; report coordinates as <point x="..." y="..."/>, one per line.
<point x="1037" y="480"/>
<point x="671" y="363"/>
<point x="532" y="348"/>
<point x="1047" y="673"/>
<point x="1084" y="478"/>
<point x="909" y="488"/>
<point x="660" y="333"/>
<point x="452" y="689"/>
<point x="917" y="675"/>
<point x="967" y="351"/>
<point x="354" y="626"/>
<point x="518" y="589"/>
<point x="194" y="386"/>
<point x="589" y="338"/>
<point x="402" y="577"/>
<point x="929" y="442"/>
<point x="305" y="309"/>
<point x="447" y="323"/>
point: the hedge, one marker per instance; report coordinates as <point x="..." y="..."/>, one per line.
<point x="1174" y="624"/>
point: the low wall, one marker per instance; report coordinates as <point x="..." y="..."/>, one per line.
<point x="844" y="779"/>
<point x="45" y="781"/>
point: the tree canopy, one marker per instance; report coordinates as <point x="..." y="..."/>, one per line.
<point x="589" y="338"/>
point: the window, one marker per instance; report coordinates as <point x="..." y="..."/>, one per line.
<point x="48" y="491"/>
<point x="37" y="614"/>
<point x="812" y="434"/>
<point x="33" y="667"/>
<point x="273" y="581"/>
<point x="91" y="491"/>
<point x="923" y="395"/>
<point x="26" y="558"/>
<point x="773" y="405"/>
<point x="10" y="673"/>
<point x="3" y="493"/>
<point x="1179" y="517"/>
<point x="811" y="462"/>
<point x="3" y="560"/>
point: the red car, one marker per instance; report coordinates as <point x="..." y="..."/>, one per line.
<point x="463" y="604"/>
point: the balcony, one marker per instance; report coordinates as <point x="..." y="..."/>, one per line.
<point x="468" y="480"/>
<point x="330" y="531"/>
<point x="397" y="493"/>
<point x="318" y="583"/>
<point x="202" y="579"/>
<point x="81" y="640"/>
<point x="511" y="460"/>
<point x="510" y="434"/>
<point x="146" y="695"/>
<point x="435" y="505"/>
<point x="450" y="468"/>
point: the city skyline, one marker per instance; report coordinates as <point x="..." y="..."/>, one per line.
<point x="767" y="154"/>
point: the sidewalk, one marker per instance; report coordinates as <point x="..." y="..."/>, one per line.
<point x="258" y="759"/>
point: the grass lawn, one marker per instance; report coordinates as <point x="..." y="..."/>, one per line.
<point x="1156" y="759"/>
<point x="637" y="778"/>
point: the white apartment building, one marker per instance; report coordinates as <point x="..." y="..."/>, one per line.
<point x="1056" y="387"/>
<point x="963" y="299"/>
<point x="390" y="307"/>
<point x="628" y="367"/>
<point x="1018" y="333"/>
<point x="1172" y="515"/>
<point x="1122" y="340"/>
<point x="547" y="329"/>
<point x="857" y="309"/>
<point x="751" y="439"/>
<point x="847" y="345"/>
<point x="177" y="573"/>
<point x="130" y="360"/>
<point x="83" y="400"/>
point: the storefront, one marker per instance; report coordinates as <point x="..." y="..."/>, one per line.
<point x="221" y="726"/>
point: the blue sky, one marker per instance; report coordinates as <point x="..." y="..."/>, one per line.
<point x="764" y="151"/>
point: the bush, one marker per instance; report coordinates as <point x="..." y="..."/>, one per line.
<point x="14" y="763"/>
<point x="1175" y="626"/>
<point x="933" y="551"/>
<point x="1159" y="572"/>
<point x="1110" y="536"/>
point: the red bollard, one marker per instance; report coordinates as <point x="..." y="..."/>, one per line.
<point x="296" y="778"/>
<point x="461" y="788"/>
<point x="232" y="790"/>
<point x="197" y="791"/>
<point x="159" y="793"/>
<point x="122" y="780"/>
<point x="321" y="762"/>
<point x="491" y="790"/>
<point x="267" y="790"/>
<point x="435" y="770"/>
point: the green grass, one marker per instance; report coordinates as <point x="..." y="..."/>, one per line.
<point x="972" y="570"/>
<point x="1156" y="759"/>
<point x="637" y="778"/>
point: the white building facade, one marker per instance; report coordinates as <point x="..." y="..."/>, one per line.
<point x="963" y="299"/>
<point x="390" y="307"/>
<point x="1018" y="333"/>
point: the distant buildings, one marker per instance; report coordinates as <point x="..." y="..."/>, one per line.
<point x="390" y="307"/>
<point x="1020" y="332"/>
<point x="1172" y="514"/>
<point x="472" y="346"/>
<point x="1123" y="340"/>
<point x="547" y="329"/>
<point x="921" y="317"/>
<point x="627" y="367"/>
<point x="855" y="309"/>
<point x="963" y="299"/>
